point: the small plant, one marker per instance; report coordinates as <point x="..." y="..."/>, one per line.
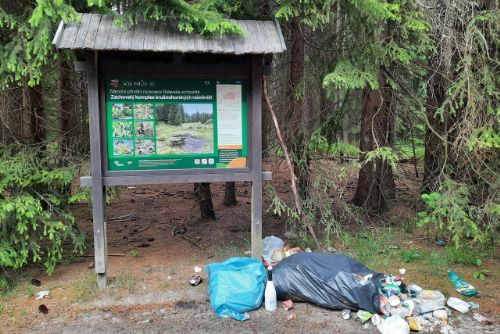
<point x="346" y="239"/>
<point x="409" y="255"/>
<point x="135" y="253"/>
<point x="437" y="259"/>
<point x="481" y="274"/>
<point x="34" y="199"/>
<point x="450" y="209"/>
<point x="465" y="256"/>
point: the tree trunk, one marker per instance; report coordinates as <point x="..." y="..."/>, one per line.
<point x="299" y="116"/>
<point x="376" y="180"/>
<point x="434" y="145"/>
<point x="32" y="115"/>
<point x="203" y="194"/>
<point x="230" y="194"/>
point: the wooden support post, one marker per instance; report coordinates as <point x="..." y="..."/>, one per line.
<point x="98" y="191"/>
<point x="256" y="157"/>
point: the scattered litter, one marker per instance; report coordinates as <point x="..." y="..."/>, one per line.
<point x="236" y="286"/>
<point x="147" y="321"/>
<point x="415" y="324"/>
<point x="441" y="315"/>
<point x="440" y="243"/>
<point x="331" y="249"/>
<point x="394" y="325"/>
<point x="269" y="245"/>
<point x="363" y="316"/>
<point x="130" y="187"/>
<point x="248" y="252"/>
<point x="461" y="285"/>
<point x="366" y="326"/>
<point x="287" y="304"/>
<point x="393" y="247"/>
<point x="479" y="317"/>
<point x="394" y="301"/>
<point x="346" y="314"/>
<point x="36" y="282"/>
<point x="473" y="306"/>
<point x="458" y="304"/>
<point x="402" y="271"/>
<point x="429" y="301"/>
<point x="195" y="280"/>
<point x="197" y="269"/>
<point x="291" y="317"/>
<point x="270" y="300"/>
<point x="308" y="250"/>
<point x="42" y="294"/>
<point x="43" y="309"/>
<point x="414" y="290"/>
<point x="169" y="277"/>
<point x="377" y="320"/>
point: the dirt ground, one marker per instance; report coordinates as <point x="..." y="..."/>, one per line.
<point x="155" y="238"/>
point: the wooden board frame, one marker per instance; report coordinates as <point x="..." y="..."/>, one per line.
<point x="101" y="65"/>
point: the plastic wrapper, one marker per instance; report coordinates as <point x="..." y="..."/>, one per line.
<point x="333" y="281"/>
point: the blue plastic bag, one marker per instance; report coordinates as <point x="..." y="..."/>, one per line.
<point x="236" y="286"/>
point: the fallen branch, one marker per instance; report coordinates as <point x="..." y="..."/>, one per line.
<point x="289" y="163"/>
<point x="123" y="218"/>
<point x="117" y="254"/>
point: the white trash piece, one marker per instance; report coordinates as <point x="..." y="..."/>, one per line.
<point x="428" y="301"/>
<point x="270" y="298"/>
<point x="458" y="304"/>
<point x="394" y="325"/>
<point x="197" y="269"/>
<point x="42" y="294"/>
<point x="269" y="245"/>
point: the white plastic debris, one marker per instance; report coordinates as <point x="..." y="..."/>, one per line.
<point x="248" y="252"/>
<point x="331" y="249"/>
<point x="458" y="304"/>
<point x="402" y="271"/>
<point x="42" y="294"/>
<point x="308" y="250"/>
<point x="479" y="317"/>
<point x="394" y="325"/>
<point x="197" y="269"/>
<point x="269" y="245"/>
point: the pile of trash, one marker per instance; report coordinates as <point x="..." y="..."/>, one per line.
<point x="333" y="281"/>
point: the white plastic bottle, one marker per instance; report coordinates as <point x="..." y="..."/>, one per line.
<point x="270" y="301"/>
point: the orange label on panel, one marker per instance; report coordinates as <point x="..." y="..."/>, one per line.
<point x="238" y="163"/>
<point x="231" y="147"/>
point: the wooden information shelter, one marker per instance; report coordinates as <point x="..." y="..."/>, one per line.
<point x="171" y="107"/>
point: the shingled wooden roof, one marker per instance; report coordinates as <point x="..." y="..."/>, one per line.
<point x="97" y="32"/>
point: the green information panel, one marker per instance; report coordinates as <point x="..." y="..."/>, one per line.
<point x="176" y="124"/>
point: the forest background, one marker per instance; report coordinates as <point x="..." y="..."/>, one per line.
<point x="364" y="85"/>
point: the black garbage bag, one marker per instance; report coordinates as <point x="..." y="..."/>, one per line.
<point x="333" y="281"/>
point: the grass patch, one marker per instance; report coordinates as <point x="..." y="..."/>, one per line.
<point x="86" y="287"/>
<point x="126" y="282"/>
<point x="409" y="255"/>
<point x="437" y="260"/>
<point x="228" y="249"/>
<point x="465" y="256"/>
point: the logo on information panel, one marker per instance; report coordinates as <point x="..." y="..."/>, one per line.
<point x="114" y="83"/>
